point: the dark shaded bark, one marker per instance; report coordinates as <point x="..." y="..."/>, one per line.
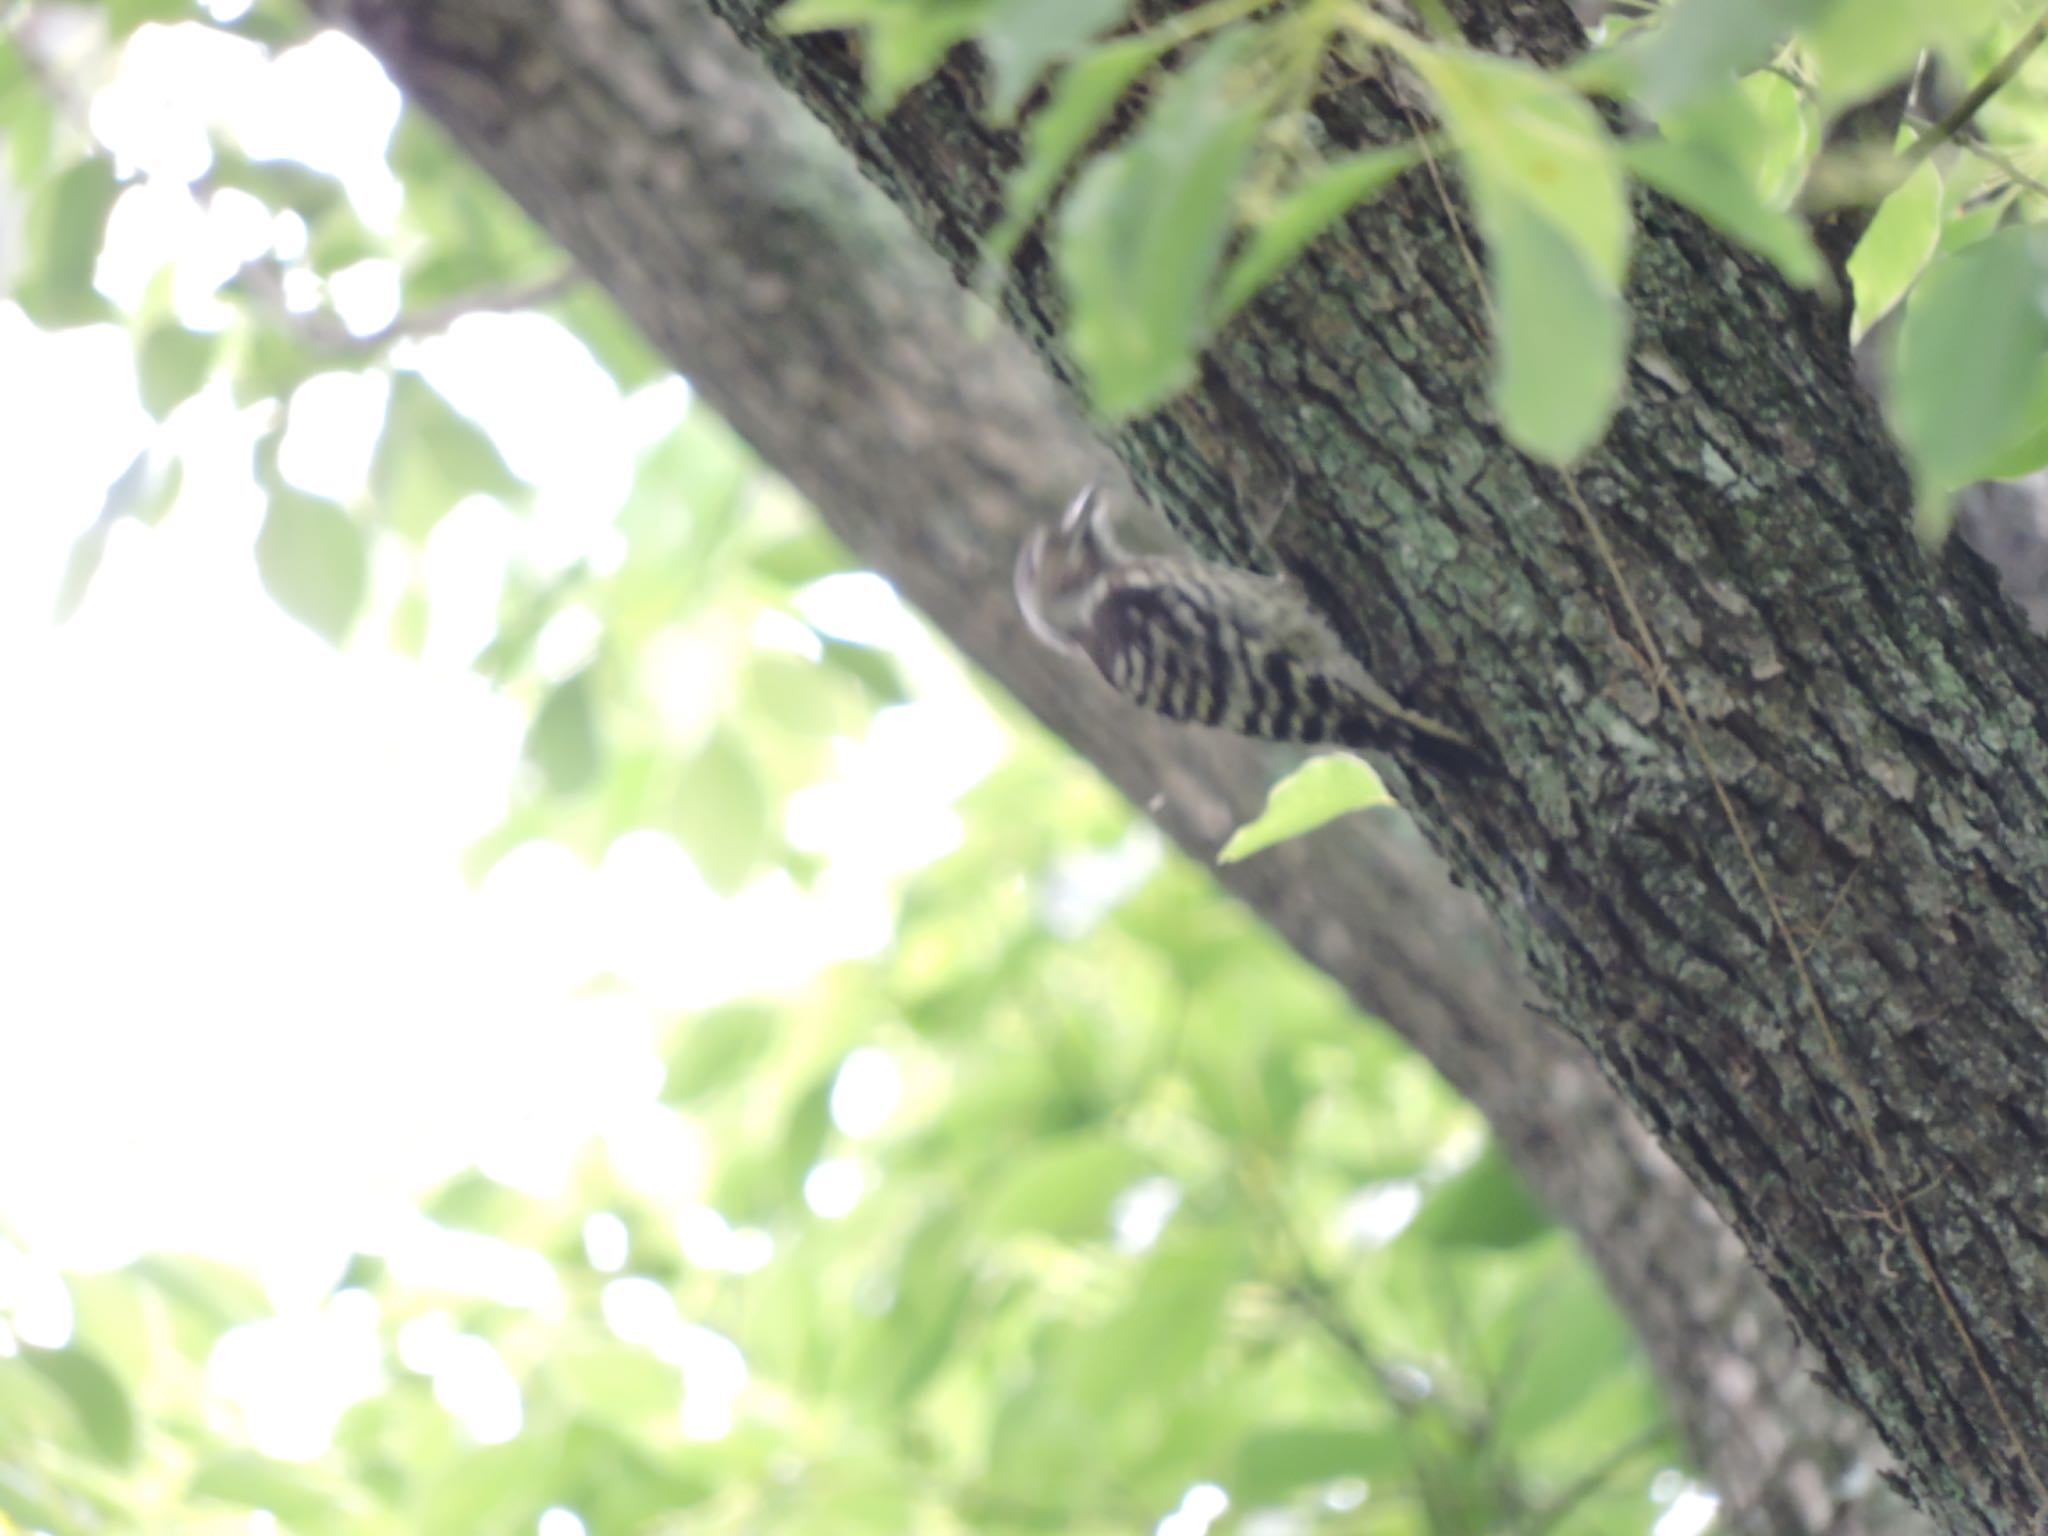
<point x="1868" y="713"/>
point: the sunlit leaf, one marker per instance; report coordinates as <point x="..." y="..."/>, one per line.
<point x="2030" y="452"/>
<point x="143" y="491"/>
<point x="800" y="559"/>
<point x="170" y="366"/>
<point x="27" y="118"/>
<point x="1968" y="354"/>
<point x="721" y="814"/>
<point x="897" y="1357"/>
<point x="1727" y="199"/>
<point x="1287" y="230"/>
<point x="314" y="561"/>
<point x="1857" y="47"/>
<point x="1277" y="1460"/>
<point x="66" y="223"/>
<point x="206" y="1297"/>
<point x="1023" y="36"/>
<point x="1552" y="203"/>
<point x="96" y="1396"/>
<point x="1562" y="337"/>
<point x="711" y="1050"/>
<point x="1063" y="1187"/>
<point x="875" y="670"/>
<point x="617" y="1383"/>
<point x="1573" y="1345"/>
<point x="1319" y="791"/>
<point x="491" y="1488"/>
<point x="472" y="238"/>
<point x="1144" y="228"/>
<point x="805" y="1127"/>
<point x="296" y="1494"/>
<point x="429" y="457"/>
<point x="564" y="741"/>
<point x="1081" y="99"/>
<point x="803" y="696"/>
<point x="1161" y="1335"/>
<point x="903" y="41"/>
<point x="124" y="16"/>
<point x="613" y="339"/>
<point x="1897" y="246"/>
<point x="1527" y="138"/>
<point x="1485" y="1206"/>
<point x="1697" y="46"/>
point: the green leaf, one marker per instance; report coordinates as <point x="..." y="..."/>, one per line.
<point x="314" y="561"/>
<point x="27" y="1506"/>
<point x="618" y="1384"/>
<point x="66" y="224"/>
<point x="429" y="457"/>
<point x="1529" y="139"/>
<point x="1142" y="233"/>
<point x="1728" y="200"/>
<point x="271" y="361"/>
<point x="495" y="1488"/>
<point x="171" y="365"/>
<point x="1063" y="1187"/>
<point x="297" y="1495"/>
<point x="800" y="559"/>
<point x="1485" y="1206"/>
<point x="902" y="40"/>
<point x="1897" y="246"/>
<point x="96" y="1397"/>
<point x="875" y="670"/>
<point x="712" y="1050"/>
<point x="2031" y="451"/>
<point x="1021" y="37"/>
<point x="806" y="1126"/>
<point x="1323" y="197"/>
<point x="1276" y="1461"/>
<point x="1857" y="47"/>
<point x="723" y="816"/>
<point x="563" y="742"/>
<point x="1575" y="1347"/>
<point x="1758" y="128"/>
<point x="1563" y="336"/>
<point x="124" y="16"/>
<point x="613" y="340"/>
<point x="802" y="696"/>
<point x="206" y="1297"/>
<point x="1159" y="1338"/>
<point x="1553" y="204"/>
<point x="1969" y="352"/>
<point x="1319" y="791"/>
<point x="143" y="491"/>
<point x="1698" y="46"/>
<point x="895" y="1357"/>
<point x="27" y="119"/>
<point x="1081" y="98"/>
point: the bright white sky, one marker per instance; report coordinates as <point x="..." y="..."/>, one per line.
<point x="249" y="1006"/>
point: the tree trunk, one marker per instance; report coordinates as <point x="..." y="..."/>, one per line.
<point x="1866" y="710"/>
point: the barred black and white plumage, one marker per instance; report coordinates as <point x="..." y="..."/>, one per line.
<point x="1215" y="645"/>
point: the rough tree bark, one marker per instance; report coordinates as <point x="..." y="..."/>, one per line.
<point x="1872" y="717"/>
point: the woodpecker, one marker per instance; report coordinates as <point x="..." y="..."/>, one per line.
<point x="1208" y="643"/>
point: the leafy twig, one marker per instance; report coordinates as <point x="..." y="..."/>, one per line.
<point x="1995" y="80"/>
<point x="325" y="331"/>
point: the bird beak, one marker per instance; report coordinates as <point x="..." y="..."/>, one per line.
<point x="1081" y="509"/>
